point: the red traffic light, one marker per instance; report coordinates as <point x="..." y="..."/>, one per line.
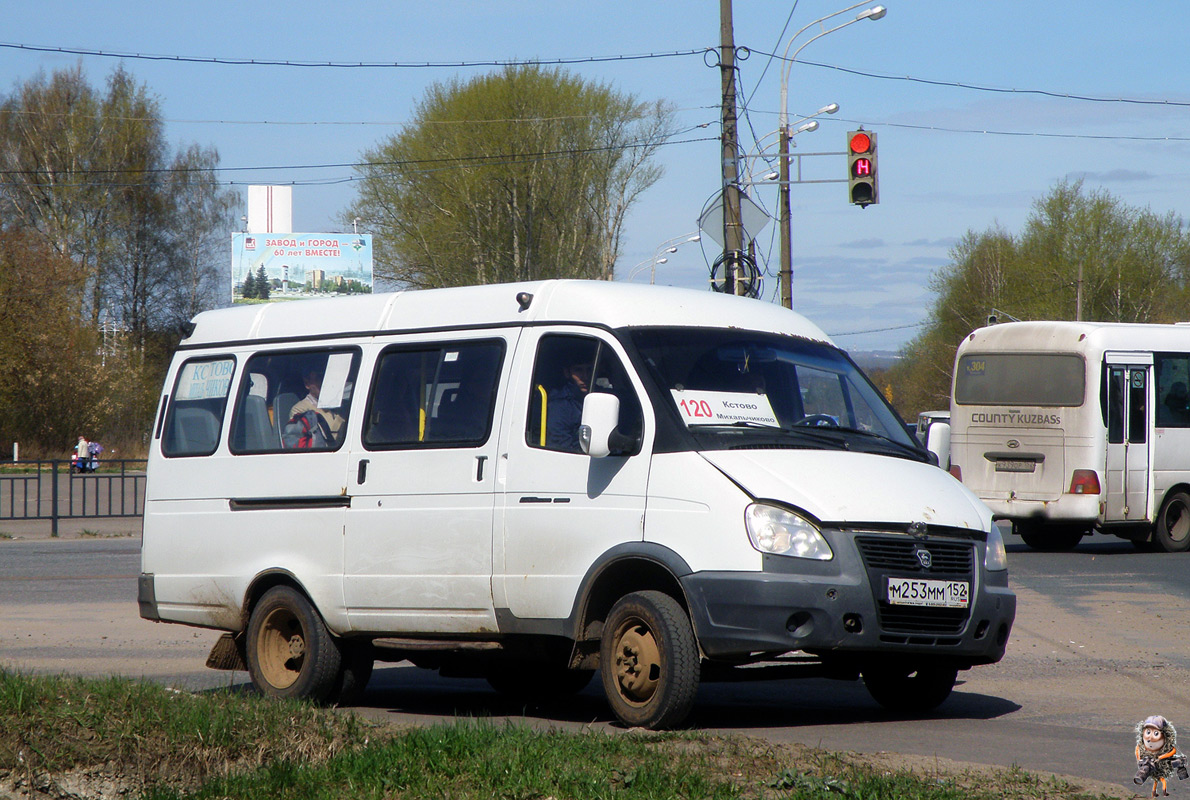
<point x="860" y="143"/>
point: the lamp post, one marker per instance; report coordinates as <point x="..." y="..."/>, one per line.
<point x="786" y="272"/>
<point x="668" y="246"/>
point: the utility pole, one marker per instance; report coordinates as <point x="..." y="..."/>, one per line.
<point x="733" y="228"/>
<point x="785" y="276"/>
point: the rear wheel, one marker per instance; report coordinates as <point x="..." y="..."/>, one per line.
<point x="290" y="651"/>
<point x="648" y="660"/>
<point x="1172" y="530"/>
<point x="908" y="688"/>
<point x="1050" y="538"/>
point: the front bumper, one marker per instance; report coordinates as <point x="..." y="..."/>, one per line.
<point x="838" y="608"/>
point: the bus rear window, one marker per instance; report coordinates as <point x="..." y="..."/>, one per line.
<point x="1020" y="379"/>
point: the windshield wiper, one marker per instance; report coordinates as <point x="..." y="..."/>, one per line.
<point x="820" y="434"/>
<point x="908" y="448"/>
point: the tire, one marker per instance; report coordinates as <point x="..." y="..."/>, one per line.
<point x="1172" y="530"/>
<point x="291" y="654"/>
<point x="908" y="688"/>
<point x="358" y="660"/>
<point x="1050" y="539"/>
<point x="536" y="681"/>
<point x="648" y="660"/>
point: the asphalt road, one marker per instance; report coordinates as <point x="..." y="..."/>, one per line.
<point x="1099" y="643"/>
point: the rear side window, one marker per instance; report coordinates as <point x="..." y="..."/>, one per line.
<point x="297" y="400"/>
<point x="438" y="395"/>
<point x="194" y="419"/>
<point x="1020" y="379"/>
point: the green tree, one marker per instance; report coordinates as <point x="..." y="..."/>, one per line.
<point x="522" y="174"/>
<point x="1134" y="266"/>
<point x="248" y="291"/>
<point x="262" y="284"/>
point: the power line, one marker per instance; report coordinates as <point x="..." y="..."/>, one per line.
<point x="445" y="162"/>
<point x="980" y="88"/>
<point x="264" y="62"/>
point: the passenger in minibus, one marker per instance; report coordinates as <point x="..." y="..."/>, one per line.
<point x="309" y="425"/>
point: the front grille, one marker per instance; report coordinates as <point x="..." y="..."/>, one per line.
<point x="898" y="556"/>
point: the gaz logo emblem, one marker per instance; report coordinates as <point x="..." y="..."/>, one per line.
<point x="924" y="558"/>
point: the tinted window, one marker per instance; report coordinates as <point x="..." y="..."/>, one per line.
<point x="434" y="396"/>
<point x="295" y="400"/>
<point x="195" y="417"/>
<point x="1020" y="379"/>
<point x="1173" y="399"/>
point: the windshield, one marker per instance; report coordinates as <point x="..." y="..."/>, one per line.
<point x="743" y="383"/>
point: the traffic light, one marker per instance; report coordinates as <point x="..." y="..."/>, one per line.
<point x="861" y="168"/>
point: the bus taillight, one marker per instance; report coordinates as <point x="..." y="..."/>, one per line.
<point x="1084" y="481"/>
<point x="957" y="472"/>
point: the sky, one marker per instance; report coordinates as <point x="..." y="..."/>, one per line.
<point x="980" y="108"/>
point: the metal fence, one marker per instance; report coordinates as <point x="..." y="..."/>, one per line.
<point x="53" y="490"/>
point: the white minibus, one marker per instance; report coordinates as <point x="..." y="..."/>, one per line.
<point x="1063" y="427"/>
<point x="533" y="483"/>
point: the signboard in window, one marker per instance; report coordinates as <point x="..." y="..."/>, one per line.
<point x="724" y="408"/>
<point x="205" y="380"/>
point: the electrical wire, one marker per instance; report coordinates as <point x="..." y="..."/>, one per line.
<point x="264" y="62"/>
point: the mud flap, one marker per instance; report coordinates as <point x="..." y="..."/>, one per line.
<point x="226" y="654"/>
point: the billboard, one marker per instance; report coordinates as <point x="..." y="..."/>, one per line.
<point x="268" y="267"/>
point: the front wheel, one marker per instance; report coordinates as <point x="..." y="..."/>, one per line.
<point x="906" y="688"/>
<point x="1172" y="530"/>
<point x="648" y="660"/>
<point x="290" y="651"/>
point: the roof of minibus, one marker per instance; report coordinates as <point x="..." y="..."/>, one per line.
<point x="1077" y="337"/>
<point x="604" y="303"/>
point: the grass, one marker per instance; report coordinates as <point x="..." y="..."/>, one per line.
<point x="161" y="744"/>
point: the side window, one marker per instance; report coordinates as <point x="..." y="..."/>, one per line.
<point x="294" y="400"/>
<point x="567" y="368"/>
<point x="194" y="420"/>
<point x="1173" y="399"/>
<point x="821" y="393"/>
<point x="434" y="396"/>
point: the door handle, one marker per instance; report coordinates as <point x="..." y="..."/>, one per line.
<point x="361" y="473"/>
<point x="479" y="462"/>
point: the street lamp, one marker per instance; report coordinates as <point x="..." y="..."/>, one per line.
<point x="786" y="272"/>
<point x="668" y="246"/>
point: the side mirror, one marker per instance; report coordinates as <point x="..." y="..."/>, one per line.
<point x="601" y="414"/>
<point x="938" y="442"/>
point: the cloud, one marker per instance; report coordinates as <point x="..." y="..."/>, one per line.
<point x="1112" y="176"/>
<point x="864" y="244"/>
<point x="947" y="242"/>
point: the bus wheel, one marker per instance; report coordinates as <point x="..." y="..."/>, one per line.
<point x="649" y="661"/>
<point x="1172" y="530"/>
<point x="1051" y="539"/>
<point x="910" y="689"/>
<point x="290" y="651"/>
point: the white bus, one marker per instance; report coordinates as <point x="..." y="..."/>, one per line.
<point x="1063" y="427"/>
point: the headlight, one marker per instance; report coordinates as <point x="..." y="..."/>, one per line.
<point x="996" y="558"/>
<point x="783" y="533"/>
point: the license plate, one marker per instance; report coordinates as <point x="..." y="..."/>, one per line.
<point x="920" y="592"/>
<point x="1005" y="465"/>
